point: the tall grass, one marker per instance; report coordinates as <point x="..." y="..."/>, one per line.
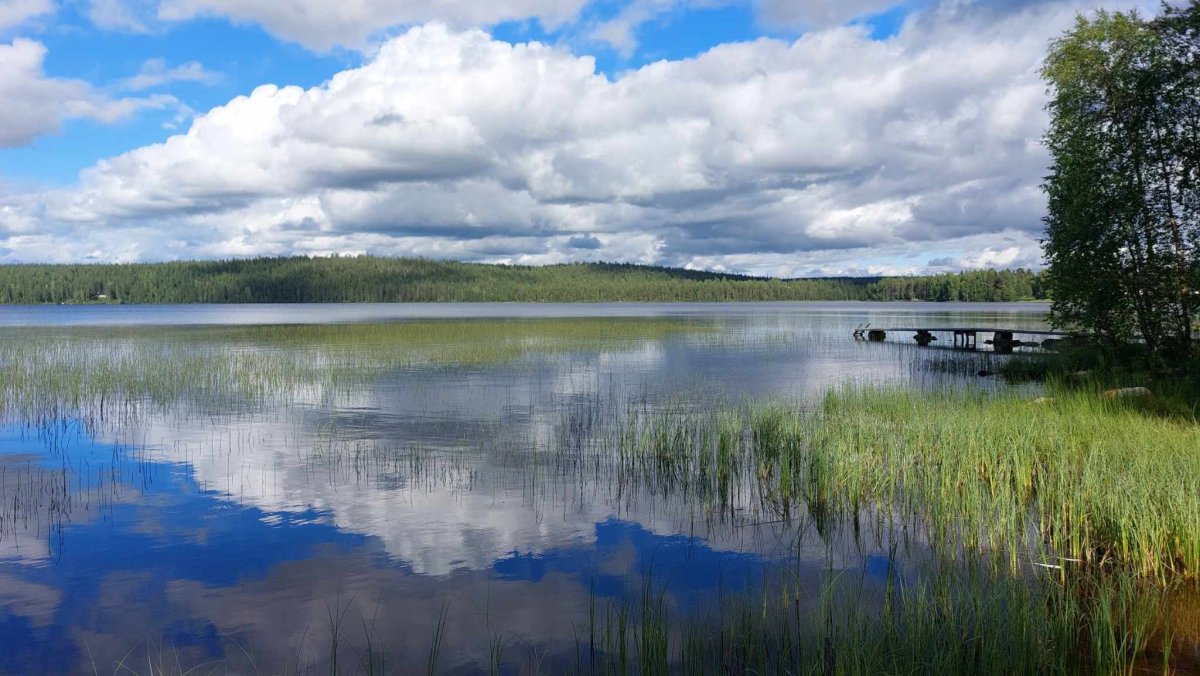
<point x="1073" y="478"/>
<point x="1056" y="527"/>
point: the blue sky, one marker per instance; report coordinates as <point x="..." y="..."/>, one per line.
<point x="239" y="57"/>
<point x="790" y="137"/>
<point x="242" y="56"/>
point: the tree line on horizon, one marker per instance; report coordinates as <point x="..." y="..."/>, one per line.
<point x="375" y="279"/>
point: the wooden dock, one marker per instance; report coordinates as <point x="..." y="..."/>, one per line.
<point x="1003" y="339"/>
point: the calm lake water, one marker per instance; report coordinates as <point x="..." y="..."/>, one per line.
<point x="298" y="488"/>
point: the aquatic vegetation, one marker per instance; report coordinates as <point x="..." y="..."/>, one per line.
<point x="46" y="371"/>
<point x="1057" y="531"/>
<point x="1077" y="478"/>
<point x="952" y="622"/>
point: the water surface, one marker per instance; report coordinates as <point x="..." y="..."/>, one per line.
<point x="286" y="488"/>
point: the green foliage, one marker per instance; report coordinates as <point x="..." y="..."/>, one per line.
<point x="371" y="279"/>
<point x="1089" y="366"/>
<point x="1123" y="227"/>
<point x="972" y="286"/>
<point x="1098" y="481"/>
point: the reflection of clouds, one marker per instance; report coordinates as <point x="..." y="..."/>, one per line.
<point x="459" y="512"/>
<point x="287" y="614"/>
<point x="381" y="462"/>
<point x="132" y="623"/>
<point x="399" y="610"/>
<point x="37" y="602"/>
<point x="445" y="515"/>
<point x="453" y="473"/>
<point x="402" y="458"/>
<point x="406" y="460"/>
<point x="38" y="499"/>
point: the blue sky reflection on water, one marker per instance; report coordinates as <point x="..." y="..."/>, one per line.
<point x="170" y="532"/>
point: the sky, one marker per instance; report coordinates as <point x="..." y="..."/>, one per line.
<point x="791" y="138"/>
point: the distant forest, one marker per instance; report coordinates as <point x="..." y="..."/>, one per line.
<point x="372" y="279"/>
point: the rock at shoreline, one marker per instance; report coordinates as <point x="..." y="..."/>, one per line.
<point x="1127" y="393"/>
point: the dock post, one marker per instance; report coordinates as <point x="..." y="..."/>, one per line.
<point x="1002" y="342"/>
<point x="967" y="338"/>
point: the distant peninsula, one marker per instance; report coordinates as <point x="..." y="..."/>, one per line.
<point x="370" y="279"/>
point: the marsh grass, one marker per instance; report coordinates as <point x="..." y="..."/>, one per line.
<point x="1076" y="478"/>
<point x="1089" y="367"/>
<point x="1057" y="530"/>
<point x="51" y="373"/>
<point x="1099" y="481"/>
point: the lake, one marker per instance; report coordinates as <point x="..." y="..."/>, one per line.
<point x="347" y="488"/>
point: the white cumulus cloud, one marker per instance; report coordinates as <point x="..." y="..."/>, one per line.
<point x="833" y="152"/>
<point x="37" y="104"/>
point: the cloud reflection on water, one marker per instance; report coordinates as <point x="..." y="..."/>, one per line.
<point x="196" y="525"/>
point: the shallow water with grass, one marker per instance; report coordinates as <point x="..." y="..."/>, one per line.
<point x="574" y="489"/>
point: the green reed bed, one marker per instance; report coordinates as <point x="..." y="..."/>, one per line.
<point x="1095" y="481"/>
<point x="1070" y="478"/>
<point x="45" y="370"/>
<point x="1053" y="533"/>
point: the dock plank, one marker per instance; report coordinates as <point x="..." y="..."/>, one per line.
<point x="1028" y="332"/>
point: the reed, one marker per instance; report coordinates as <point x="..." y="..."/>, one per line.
<point x="955" y="621"/>
<point x="83" y="371"/>
<point x="1074" y="478"/>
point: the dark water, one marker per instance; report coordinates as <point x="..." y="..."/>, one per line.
<point x="180" y="489"/>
